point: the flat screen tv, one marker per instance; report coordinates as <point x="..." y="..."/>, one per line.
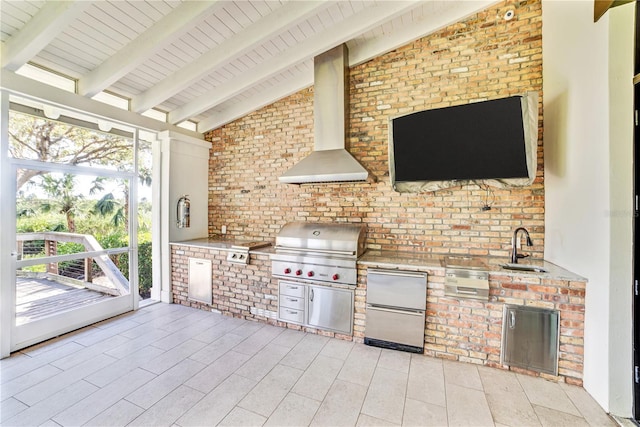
<point x="489" y="142"/>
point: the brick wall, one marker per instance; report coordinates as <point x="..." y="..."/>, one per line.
<point x="471" y="330"/>
<point x="456" y="329"/>
<point x="482" y="57"/>
<point x="236" y="288"/>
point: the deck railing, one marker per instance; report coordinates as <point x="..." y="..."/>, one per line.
<point x="116" y="283"/>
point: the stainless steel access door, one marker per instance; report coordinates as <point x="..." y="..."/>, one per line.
<point x="330" y="309"/>
<point x="200" y="275"/>
<point x="530" y="338"/>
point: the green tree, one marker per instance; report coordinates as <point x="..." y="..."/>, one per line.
<point x="108" y="205"/>
<point x="46" y="140"/>
<point x="64" y="196"/>
<point x="62" y="190"/>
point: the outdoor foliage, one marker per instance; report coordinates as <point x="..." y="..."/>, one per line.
<point x="45" y="140"/>
<point x="66" y="202"/>
<point x="92" y="222"/>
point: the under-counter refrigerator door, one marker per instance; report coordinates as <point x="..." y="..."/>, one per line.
<point x="395" y="326"/>
<point x="402" y="289"/>
<point x="331" y="308"/>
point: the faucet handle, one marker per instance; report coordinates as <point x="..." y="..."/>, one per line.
<point x="522" y="255"/>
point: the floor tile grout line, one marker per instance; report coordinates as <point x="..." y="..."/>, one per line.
<point x="174" y="422"/>
<point x="446" y="396"/>
<point x="406" y="392"/>
<point x="369" y="384"/>
<point x="574" y="404"/>
<point x="258" y="382"/>
<point x="87" y="332"/>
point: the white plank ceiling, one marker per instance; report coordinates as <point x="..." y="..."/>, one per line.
<point x="208" y="61"/>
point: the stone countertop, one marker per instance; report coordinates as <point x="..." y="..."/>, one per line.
<point x="227" y="244"/>
<point x="397" y="259"/>
<point x="410" y="260"/>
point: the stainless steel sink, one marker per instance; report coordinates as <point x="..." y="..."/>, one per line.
<point x="525" y="267"/>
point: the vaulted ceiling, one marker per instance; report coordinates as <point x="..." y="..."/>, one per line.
<point x="211" y="61"/>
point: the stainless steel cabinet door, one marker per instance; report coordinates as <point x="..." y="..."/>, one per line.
<point x="530" y="338"/>
<point x="200" y="288"/>
<point x="331" y="308"/>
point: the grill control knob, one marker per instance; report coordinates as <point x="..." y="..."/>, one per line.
<point x="310" y="274"/>
<point x="298" y="272"/>
<point x="287" y="270"/>
<point x="335" y="277"/>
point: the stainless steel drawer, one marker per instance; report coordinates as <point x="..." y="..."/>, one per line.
<point x="290" y="315"/>
<point x="292" y="302"/>
<point x="397" y="289"/>
<point x="292" y="289"/>
<point x="396" y="326"/>
<point x="466" y="283"/>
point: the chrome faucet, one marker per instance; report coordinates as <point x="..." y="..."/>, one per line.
<point x="514" y="244"/>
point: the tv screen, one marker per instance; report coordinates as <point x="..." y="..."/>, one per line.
<point x="478" y="142"/>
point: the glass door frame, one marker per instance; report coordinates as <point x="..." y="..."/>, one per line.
<point x="635" y="374"/>
<point x="12" y="336"/>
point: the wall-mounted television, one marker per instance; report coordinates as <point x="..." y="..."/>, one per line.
<point x="490" y="142"/>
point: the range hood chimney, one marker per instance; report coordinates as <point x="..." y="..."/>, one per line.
<point x="329" y="161"/>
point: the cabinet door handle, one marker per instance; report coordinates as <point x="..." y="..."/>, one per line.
<point x="311" y="295"/>
<point x="397" y="273"/>
<point x="512" y="319"/>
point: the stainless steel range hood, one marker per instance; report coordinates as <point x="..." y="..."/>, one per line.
<point x="329" y="161"/>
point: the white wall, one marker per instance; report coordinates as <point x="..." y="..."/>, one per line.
<point x="587" y="177"/>
<point x="621" y="45"/>
<point x="184" y="170"/>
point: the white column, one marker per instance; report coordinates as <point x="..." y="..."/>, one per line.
<point x="7" y="234"/>
<point x="588" y="143"/>
<point x="184" y="169"/>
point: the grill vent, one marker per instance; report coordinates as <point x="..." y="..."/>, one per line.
<point x="263" y="313"/>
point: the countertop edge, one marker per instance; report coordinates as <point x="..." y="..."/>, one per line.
<point x="400" y="260"/>
<point x="223" y="245"/>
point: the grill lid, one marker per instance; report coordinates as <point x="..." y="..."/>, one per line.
<point x="343" y="239"/>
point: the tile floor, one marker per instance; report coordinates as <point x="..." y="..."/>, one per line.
<point x="176" y="366"/>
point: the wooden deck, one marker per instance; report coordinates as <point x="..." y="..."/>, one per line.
<point x="40" y="298"/>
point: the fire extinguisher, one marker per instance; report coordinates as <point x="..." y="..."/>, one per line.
<point x="183" y="215"/>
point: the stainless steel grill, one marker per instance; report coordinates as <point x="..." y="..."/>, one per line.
<point x="324" y="252"/>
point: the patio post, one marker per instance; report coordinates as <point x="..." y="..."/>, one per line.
<point x="88" y="269"/>
<point x="51" y="248"/>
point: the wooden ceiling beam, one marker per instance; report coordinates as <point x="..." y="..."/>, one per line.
<point x="229" y="50"/>
<point x="342" y="32"/>
<point x="39" y="31"/>
<point x="156" y="37"/>
<point x="357" y="55"/>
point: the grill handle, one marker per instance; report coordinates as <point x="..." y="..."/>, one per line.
<point x="298" y="251"/>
